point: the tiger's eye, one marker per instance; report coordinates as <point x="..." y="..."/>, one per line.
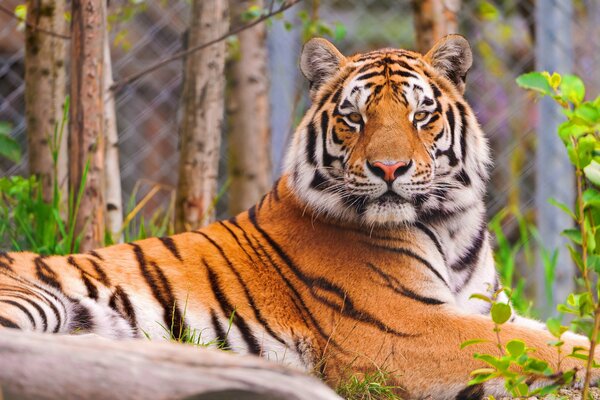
<point x="420" y="116"/>
<point x="355" y="117"/>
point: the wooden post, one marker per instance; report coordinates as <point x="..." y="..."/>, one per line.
<point x="86" y="139"/>
<point x="249" y="141"/>
<point x="202" y="121"/>
<point x="45" y="93"/>
<point x="433" y="20"/>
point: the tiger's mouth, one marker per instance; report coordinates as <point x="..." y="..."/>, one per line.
<point x="390" y="197"/>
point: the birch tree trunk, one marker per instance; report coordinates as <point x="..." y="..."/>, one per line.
<point x="86" y="140"/>
<point x="112" y="176"/>
<point x="249" y="132"/>
<point x="45" y="93"/>
<point x="202" y="121"/>
<point x="433" y="20"/>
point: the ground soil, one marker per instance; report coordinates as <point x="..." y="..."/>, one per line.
<point x="567" y="394"/>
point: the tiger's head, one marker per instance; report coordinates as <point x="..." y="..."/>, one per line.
<point x="388" y="139"/>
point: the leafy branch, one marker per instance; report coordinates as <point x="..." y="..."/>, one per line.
<point x="272" y="11"/>
<point x="580" y="135"/>
<point x="35" y="28"/>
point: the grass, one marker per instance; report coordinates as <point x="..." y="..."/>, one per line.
<point x="369" y="386"/>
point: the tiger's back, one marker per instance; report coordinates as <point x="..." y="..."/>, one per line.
<point x="363" y="256"/>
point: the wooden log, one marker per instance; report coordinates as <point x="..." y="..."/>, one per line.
<point x="42" y="366"/>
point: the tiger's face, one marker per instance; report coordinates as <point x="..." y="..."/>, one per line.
<point x="382" y="143"/>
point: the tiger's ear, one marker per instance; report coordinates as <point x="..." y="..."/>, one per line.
<point x="452" y="57"/>
<point x="320" y="60"/>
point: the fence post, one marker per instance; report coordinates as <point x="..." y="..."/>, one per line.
<point x="554" y="178"/>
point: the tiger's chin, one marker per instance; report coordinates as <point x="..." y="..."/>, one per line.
<point x="389" y="214"/>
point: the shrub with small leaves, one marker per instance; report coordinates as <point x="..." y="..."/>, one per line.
<point x="580" y="135"/>
<point x="514" y="362"/>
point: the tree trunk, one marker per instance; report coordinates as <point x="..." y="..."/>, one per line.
<point x="201" y="126"/>
<point x="249" y="141"/>
<point x="45" y="93"/>
<point x="43" y="366"/>
<point x="433" y="20"/>
<point x="86" y="141"/>
<point x="112" y="176"/>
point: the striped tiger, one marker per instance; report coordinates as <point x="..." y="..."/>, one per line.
<point x="364" y="254"/>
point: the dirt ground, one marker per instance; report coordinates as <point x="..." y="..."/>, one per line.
<point x="567" y="394"/>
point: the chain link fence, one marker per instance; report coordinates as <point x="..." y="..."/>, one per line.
<point x="501" y="32"/>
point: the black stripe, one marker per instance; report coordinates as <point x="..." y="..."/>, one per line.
<point x="5" y="266"/>
<point x="472" y="254"/>
<point x="434" y="118"/>
<point x="237" y="240"/>
<point x="452" y="160"/>
<point x="81" y="320"/>
<point x="161" y="289"/>
<point x="227" y="308"/>
<point x="221" y="335"/>
<point x="7" y="323"/>
<point x="311" y="144"/>
<point x="474" y="392"/>
<point x="433" y="238"/>
<point x="369" y="75"/>
<point x="35" y="305"/>
<point x="44" y="295"/>
<point x="95" y="254"/>
<point x="297" y="300"/>
<point x="257" y="313"/>
<point x="276" y="189"/>
<point x="169" y="243"/>
<point x="463" y="130"/>
<point x="410" y="253"/>
<point x="45" y="274"/>
<point x="120" y="302"/>
<point x="311" y="283"/>
<point x="92" y="290"/>
<point x="22" y="308"/>
<point x="403" y="73"/>
<point x="101" y="275"/>
<point x="399" y="288"/>
<point x="7" y="257"/>
<point x="463" y="177"/>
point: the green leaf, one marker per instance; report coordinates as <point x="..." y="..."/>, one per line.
<point x="339" y="31"/>
<point x="535" y="81"/>
<point x="515" y="348"/>
<point x="572" y="89"/>
<point x="471" y="342"/>
<point x="591" y="197"/>
<point x="573" y="234"/>
<point x="9" y="148"/>
<point x="481" y="378"/>
<point x="593" y="262"/>
<point x="562" y="206"/>
<point x="586" y="113"/>
<point x="480" y="297"/>
<point x="554" y="326"/>
<point x="592" y="172"/>
<point x="501" y="313"/>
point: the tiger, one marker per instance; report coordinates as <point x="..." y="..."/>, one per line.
<point x="364" y="255"/>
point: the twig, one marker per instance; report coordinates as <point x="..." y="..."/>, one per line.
<point x="9" y="12"/>
<point x="133" y="77"/>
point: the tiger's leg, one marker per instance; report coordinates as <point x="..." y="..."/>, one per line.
<point x="432" y="363"/>
<point x="38" y="307"/>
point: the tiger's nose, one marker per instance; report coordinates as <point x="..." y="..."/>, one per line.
<point x="389" y="170"/>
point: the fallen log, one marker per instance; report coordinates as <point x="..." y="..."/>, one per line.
<point x="42" y="366"/>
